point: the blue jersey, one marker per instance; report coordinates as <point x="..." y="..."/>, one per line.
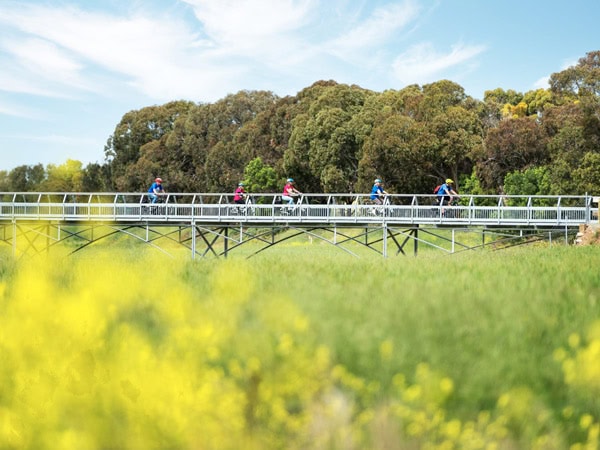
<point x="376" y="192"/>
<point x="444" y="190"/>
<point x="156" y="186"/>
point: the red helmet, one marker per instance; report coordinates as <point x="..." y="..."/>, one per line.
<point x="158" y="180"/>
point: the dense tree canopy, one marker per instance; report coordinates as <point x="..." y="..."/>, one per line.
<point x="333" y="137"/>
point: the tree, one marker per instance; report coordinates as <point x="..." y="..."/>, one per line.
<point x="587" y="175"/>
<point x="65" y="177"/>
<point x="439" y="96"/>
<point x="400" y="151"/>
<point x="197" y="141"/>
<point x="260" y="177"/>
<point x="459" y="137"/>
<point x="579" y="81"/>
<point x="324" y="146"/>
<point x="516" y="144"/>
<point x="95" y="178"/>
<point x="26" y="178"/>
<point x="136" y="129"/>
<point x="538" y="101"/>
<point x="532" y="181"/>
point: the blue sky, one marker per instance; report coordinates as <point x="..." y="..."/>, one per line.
<point x="69" y="70"/>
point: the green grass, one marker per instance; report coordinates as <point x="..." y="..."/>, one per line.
<point x="492" y="322"/>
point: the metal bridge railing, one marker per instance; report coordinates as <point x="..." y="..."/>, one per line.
<point x="317" y="208"/>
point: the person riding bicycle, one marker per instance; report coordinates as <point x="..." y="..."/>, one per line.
<point x="239" y="196"/>
<point x="378" y="193"/>
<point x="155" y="190"/>
<point x="446" y="193"/>
<point x="289" y="192"/>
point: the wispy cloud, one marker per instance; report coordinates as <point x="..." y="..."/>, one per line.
<point x="62" y="140"/>
<point x="541" y="83"/>
<point x="422" y="63"/>
<point x="228" y="45"/>
<point x="384" y="23"/>
<point x="13" y="109"/>
<point x="233" y="24"/>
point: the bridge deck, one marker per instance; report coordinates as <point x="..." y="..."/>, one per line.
<point x="213" y="222"/>
<point x="324" y="209"/>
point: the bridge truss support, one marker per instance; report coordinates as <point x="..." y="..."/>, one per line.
<point x="202" y="240"/>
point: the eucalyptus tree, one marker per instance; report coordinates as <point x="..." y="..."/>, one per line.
<point x="136" y="129"/>
<point x="401" y="151"/>
<point x="574" y="126"/>
<point x="581" y="83"/>
<point x="26" y="178"/>
<point x="459" y="133"/>
<point x="516" y="144"/>
<point x="202" y="146"/>
<point x="324" y="146"/>
<point x="96" y="178"/>
<point x="66" y="177"/>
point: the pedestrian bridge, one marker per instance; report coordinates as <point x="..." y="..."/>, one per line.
<point x="209" y="223"/>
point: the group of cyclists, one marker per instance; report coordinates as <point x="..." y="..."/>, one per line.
<point x="445" y="193"/>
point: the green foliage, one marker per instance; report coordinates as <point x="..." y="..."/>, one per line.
<point x="336" y="137"/>
<point x="470" y="185"/>
<point x="587" y="175"/>
<point x="26" y="178"/>
<point x="67" y="177"/>
<point x="260" y="177"/>
<point x="533" y="181"/>
<point x="516" y="144"/>
<point x="502" y="97"/>
<point x="137" y="128"/>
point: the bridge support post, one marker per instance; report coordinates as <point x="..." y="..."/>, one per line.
<point x="416" y="240"/>
<point x="14" y="239"/>
<point x="385" y="238"/>
<point x="193" y="240"/>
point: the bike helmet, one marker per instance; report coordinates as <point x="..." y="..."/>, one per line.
<point x="377" y="180"/>
<point x="290" y="180"/>
<point x="158" y="180"/>
<point x="449" y="181"/>
<point x="241" y="183"/>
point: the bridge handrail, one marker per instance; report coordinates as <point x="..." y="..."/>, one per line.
<point x="272" y="198"/>
<point x="342" y="208"/>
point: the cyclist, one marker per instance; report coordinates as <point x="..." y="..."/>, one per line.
<point x="289" y="192"/>
<point x="155" y="190"/>
<point x="239" y="197"/>
<point x="378" y="193"/>
<point x="446" y="193"/>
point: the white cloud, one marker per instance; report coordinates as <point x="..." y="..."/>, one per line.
<point x="235" y="44"/>
<point x="237" y="23"/>
<point x="160" y="57"/>
<point x="375" y="31"/>
<point x="542" y="83"/>
<point x="9" y="108"/>
<point x="422" y="63"/>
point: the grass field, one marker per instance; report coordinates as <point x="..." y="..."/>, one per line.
<point x="302" y="347"/>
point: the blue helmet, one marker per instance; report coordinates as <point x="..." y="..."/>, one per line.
<point x="290" y="180"/>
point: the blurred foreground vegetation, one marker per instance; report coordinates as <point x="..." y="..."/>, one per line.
<point x="292" y="350"/>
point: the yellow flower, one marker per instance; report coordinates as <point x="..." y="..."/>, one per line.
<point x="574" y="340"/>
<point x="385" y="350"/>
<point x="585" y="421"/>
